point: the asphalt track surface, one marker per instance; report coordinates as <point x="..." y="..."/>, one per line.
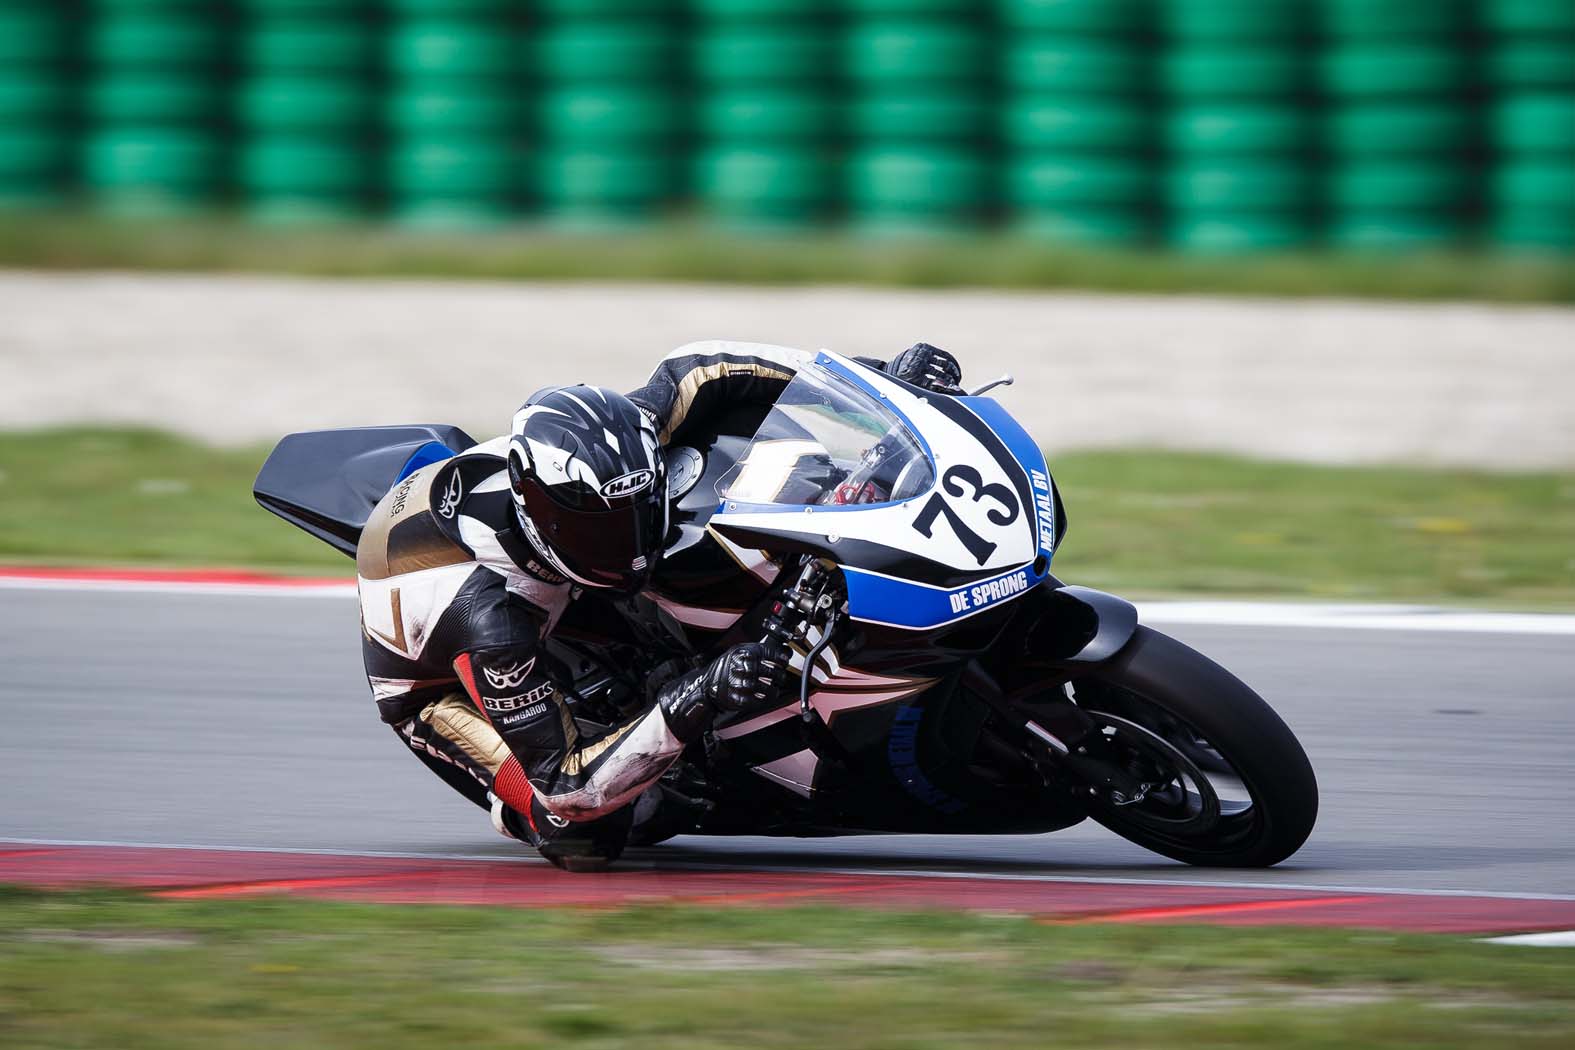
<point x="218" y="720"/>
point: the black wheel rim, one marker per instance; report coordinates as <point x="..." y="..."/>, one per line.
<point x="1199" y="800"/>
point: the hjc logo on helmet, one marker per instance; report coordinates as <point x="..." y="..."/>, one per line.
<point x="629" y="484"/>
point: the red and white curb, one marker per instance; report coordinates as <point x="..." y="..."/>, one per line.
<point x="198" y="872"/>
<point x="1300" y="615"/>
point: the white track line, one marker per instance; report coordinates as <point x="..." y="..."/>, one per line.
<point x="1356" y="617"/>
<point x="1202" y="613"/>
<point x="809" y="869"/>
<point x="1552" y="939"/>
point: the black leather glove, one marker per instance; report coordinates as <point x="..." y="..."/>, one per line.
<point x="744" y="676"/>
<point x="927" y="366"/>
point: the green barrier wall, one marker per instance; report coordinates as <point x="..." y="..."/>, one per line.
<point x="1400" y="131"/>
<point x="154" y="78"/>
<point x="763" y="77"/>
<point x="916" y="109"/>
<point x="36" y="107"/>
<point x="306" y="110"/>
<point x="453" y="87"/>
<point x="1200" y="125"/>
<point x="611" y="113"/>
<point x="1238" y="124"/>
<point x="1530" y="127"/>
<point x="1076" y="120"/>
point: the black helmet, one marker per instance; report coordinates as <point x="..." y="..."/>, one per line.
<point x="590" y="486"/>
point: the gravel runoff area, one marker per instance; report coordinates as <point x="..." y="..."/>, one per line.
<point x="244" y="359"/>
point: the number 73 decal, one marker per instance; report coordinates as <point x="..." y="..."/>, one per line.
<point x="960" y="481"/>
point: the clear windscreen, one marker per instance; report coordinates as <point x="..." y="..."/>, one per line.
<point x="826" y="442"/>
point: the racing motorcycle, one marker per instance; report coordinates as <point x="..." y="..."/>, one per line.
<point x="901" y="540"/>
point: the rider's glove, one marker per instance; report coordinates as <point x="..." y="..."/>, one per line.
<point x="744" y="676"/>
<point x="927" y="366"/>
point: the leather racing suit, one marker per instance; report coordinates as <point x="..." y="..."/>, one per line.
<point x="455" y="605"/>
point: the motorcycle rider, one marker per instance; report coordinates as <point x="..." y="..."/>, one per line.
<point x="466" y="566"/>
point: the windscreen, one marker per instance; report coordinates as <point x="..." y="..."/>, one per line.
<point x="826" y="442"/>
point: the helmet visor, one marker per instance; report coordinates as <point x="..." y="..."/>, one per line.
<point x="614" y="547"/>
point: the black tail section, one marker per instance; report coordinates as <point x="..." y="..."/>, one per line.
<point x="327" y="481"/>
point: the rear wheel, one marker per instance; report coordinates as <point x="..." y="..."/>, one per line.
<point x="1224" y="782"/>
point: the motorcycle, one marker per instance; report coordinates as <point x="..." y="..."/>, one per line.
<point x="901" y="540"/>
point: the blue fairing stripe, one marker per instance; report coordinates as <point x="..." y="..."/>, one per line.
<point x="918" y="606"/>
<point x="902" y="603"/>
<point x="428" y="454"/>
<point x="1029" y="456"/>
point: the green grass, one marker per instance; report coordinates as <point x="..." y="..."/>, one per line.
<point x="102" y="970"/>
<point x="1141" y="522"/>
<point x="684" y="251"/>
<point x="1198" y="523"/>
<point x="139" y="497"/>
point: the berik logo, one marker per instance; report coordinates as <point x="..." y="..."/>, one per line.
<point x="629" y="484"/>
<point x="504" y="704"/>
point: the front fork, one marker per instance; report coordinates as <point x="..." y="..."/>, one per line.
<point x="1058" y="740"/>
<point x="1058" y="632"/>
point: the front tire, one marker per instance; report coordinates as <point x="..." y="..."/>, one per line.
<point x="1159" y="701"/>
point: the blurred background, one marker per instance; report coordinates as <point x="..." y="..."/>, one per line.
<point x="1287" y="287"/>
<point x="632" y="175"/>
<point x="1203" y="126"/>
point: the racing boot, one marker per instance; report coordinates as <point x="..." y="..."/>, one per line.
<point x="464" y="748"/>
<point x="579" y="846"/>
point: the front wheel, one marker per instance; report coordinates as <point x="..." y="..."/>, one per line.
<point x="1224" y="782"/>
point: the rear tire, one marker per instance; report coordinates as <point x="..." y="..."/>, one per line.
<point x="1155" y="670"/>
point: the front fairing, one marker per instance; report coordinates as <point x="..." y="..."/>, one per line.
<point x="923" y="603"/>
<point x="978" y="533"/>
